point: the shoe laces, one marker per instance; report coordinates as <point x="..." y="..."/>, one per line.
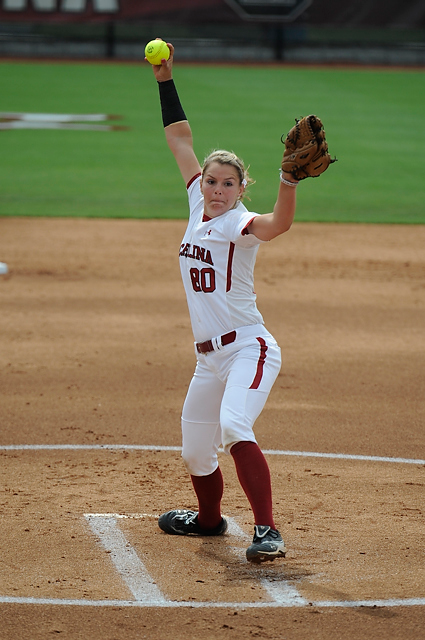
<point x="191" y="518"/>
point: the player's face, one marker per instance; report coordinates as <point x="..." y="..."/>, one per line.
<point x="221" y="188"/>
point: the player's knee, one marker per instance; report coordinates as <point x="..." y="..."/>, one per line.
<point x="190" y="462"/>
<point x="235" y="432"/>
<point x="199" y="465"/>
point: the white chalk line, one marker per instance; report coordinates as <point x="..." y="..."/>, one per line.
<point x="141" y="584"/>
<point x="407" y="602"/>
<point x="284" y="595"/>
<point x="149" y="447"/>
<point x="122" y="516"/>
<point x="125" y="559"/>
<point x="280" y="592"/>
<point x="147" y="594"/>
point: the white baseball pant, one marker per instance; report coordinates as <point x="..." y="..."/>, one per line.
<point x="227" y="393"/>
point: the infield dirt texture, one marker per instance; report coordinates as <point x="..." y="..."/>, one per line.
<point x="96" y="349"/>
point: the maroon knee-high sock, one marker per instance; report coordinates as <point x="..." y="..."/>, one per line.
<point x="209" y="491"/>
<point x="254" y="476"/>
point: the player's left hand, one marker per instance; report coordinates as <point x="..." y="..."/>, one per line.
<point x="306" y="150"/>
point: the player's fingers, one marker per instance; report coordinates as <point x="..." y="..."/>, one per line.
<point x="168" y="63"/>
<point x="171" y="48"/>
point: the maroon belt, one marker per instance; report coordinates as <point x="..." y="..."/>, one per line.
<point x="207" y="346"/>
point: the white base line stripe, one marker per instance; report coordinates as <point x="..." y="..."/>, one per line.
<point x="123" y="516"/>
<point x="126" y="560"/>
<point x="400" y="602"/>
<point x="88" y="447"/>
<point x="149" y="447"/>
<point x="140" y="583"/>
<point x="281" y="592"/>
<point x="343" y="456"/>
<point x="147" y="594"/>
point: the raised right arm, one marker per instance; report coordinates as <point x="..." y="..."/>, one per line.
<point x="177" y="129"/>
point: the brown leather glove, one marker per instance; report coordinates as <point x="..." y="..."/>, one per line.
<point x="306" y="150"/>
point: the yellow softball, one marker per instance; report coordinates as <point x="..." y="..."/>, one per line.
<point x="156" y="50"/>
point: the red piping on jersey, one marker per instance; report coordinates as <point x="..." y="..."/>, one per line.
<point x="193" y="180"/>
<point x="229" y="266"/>
<point x="205" y="218"/>
<point x="260" y="364"/>
<point x="245" y="231"/>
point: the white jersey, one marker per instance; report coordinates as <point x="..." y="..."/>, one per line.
<point x="217" y="258"/>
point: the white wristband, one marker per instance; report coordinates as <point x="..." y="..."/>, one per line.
<point x="282" y="179"/>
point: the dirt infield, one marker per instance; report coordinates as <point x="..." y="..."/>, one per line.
<point x="96" y="349"/>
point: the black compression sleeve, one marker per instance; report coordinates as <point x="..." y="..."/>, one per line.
<point x="172" y="110"/>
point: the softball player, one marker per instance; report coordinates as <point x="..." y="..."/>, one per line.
<point x="238" y="360"/>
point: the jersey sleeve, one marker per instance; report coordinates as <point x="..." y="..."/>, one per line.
<point x="236" y="225"/>
<point x="196" y="199"/>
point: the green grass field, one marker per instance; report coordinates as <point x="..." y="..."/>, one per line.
<point x="373" y="120"/>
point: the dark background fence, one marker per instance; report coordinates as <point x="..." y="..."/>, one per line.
<point x="325" y="31"/>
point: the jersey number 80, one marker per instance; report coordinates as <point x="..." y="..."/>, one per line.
<point x="203" y="279"/>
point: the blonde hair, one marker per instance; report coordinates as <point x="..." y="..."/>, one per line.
<point x="228" y="157"/>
